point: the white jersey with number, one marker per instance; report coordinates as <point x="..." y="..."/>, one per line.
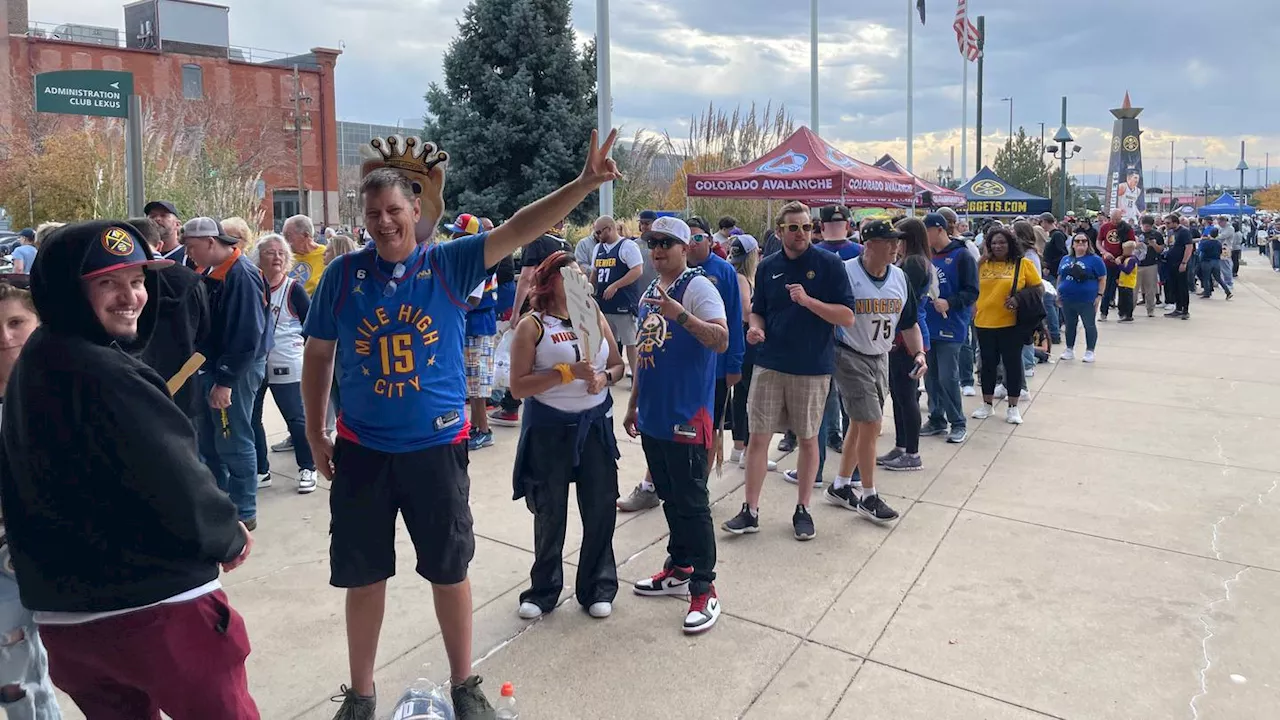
<point x="877" y="305"/>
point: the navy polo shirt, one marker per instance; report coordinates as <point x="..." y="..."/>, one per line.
<point x="798" y="342"/>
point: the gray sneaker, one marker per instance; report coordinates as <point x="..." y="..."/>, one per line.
<point x="284" y="445"/>
<point x="904" y="462"/>
<point x="469" y="701"/>
<point x="929" y="429"/>
<point x="893" y="454"/>
<point x="354" y="706"/>
<point x="639" y="499"/>
<point x="957" y="435"/>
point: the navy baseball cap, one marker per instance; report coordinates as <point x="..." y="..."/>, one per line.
<point x="28" y="233"/>
<point x="164" y="205"/>
<point x="116" y="247"/>
<point x="879" y="230"/>
<point x="648" y="215"/>
<point x="935" y="220"/>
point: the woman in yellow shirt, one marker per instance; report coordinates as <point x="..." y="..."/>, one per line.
<point x="995" y="319"/>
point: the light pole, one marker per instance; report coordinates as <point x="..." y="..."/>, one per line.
<point x="1010" y="101"/>
<point x="604" y="94"/>
<point x="1186" y="181"/>
<point x="1063" y="137"/>
<point x="1242" y="166"/>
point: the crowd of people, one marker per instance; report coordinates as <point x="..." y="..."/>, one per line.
<point x="152" y="345"/>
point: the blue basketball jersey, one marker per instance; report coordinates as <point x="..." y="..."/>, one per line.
<point x="676" y="375"/>
<point x="400" y="337"/>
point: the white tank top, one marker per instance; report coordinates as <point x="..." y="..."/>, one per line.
<point x="558" y="344"/>
<point x="284" y="361"/>
<point x="877" y="306"/>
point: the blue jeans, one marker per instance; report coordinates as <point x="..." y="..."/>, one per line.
<point x="23" y="660"/>
<point x="1052" y="320"/>
<point x="288" y="397"/>
<point x="1074" y="312"/>
<point x="229" y="451"/>
<point x="966" y="355"/>
<point x="1210" y="270"/>
<point x="1275" y="255"/>
<point x="942" y="382"/>
<point x="1028" y="357"/>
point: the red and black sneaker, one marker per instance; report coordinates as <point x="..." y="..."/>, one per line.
<point x="671" y="581"/>
<point x="704" y="610"/>
<point x="505" y="418"/>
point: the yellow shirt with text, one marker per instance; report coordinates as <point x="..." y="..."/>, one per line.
<point x="995" y="282"/>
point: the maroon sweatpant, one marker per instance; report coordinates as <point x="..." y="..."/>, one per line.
<point x="186" y="659"/>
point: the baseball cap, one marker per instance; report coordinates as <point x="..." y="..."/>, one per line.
<point x="116" y="247"/>
<point x="743" y="245"/>
<point x="160" y="205"/>
<point x="697" y="222"/>
<point x="648" y="215"/>
<point x="28" y="233"/>
<point x="465" y="224"/>
<point x="672" y="227"/>
<point x="1047" y="217"/>
<point x="935" y="220"/>
<point x="880" y="230"/>
<point x="833" y="213"/>
<point x="203" y="227"/>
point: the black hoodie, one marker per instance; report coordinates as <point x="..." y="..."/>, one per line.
<point x="182" y="326"/>
<point x="106" y="502"/>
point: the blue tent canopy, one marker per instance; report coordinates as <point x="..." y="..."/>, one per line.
<point x="1226" y="205"/>
<point x="988" y="194"/>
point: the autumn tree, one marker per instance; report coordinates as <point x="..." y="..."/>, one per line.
<point x="1267" y="198"/>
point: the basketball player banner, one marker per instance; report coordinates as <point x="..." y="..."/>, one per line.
<point x="1124" y="172"/>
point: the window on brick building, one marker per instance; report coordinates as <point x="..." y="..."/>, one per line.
<point x="192" y="82"/>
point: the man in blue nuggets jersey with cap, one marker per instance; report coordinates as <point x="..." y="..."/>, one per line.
<point x="392" y="318"/>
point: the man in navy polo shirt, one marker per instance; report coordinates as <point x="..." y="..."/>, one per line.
<point x="392" y="316"/>
<point x="802" y="294"/>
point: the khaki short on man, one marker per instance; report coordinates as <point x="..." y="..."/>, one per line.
<point x="863" y="382"/>
<point x="623" y="326"/>
<point x="778" y="402"/>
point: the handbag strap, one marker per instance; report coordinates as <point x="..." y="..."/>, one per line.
<point x="1016" y="268"/>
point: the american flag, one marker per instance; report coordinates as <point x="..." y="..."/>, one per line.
<point x="966" y="33"/>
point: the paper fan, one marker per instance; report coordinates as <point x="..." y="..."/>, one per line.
<point x="582" y="311"/>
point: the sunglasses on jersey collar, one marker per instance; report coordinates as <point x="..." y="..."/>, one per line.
<point x="396" y="276"/>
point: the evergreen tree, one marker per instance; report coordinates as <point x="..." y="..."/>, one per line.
<point x="1021" y="163"/>
<point x="517" y="106"/>
<point x="1075" y="201"/>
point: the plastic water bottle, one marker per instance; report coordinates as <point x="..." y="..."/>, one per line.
<point x="507" y="709"/>
<point x="424" y="700"/>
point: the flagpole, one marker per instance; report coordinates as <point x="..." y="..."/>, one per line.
<point x="964" y="121"/>
<point x="813" y="66"/>
<point x="911" y="142"/>
<point x="604" y="93"/>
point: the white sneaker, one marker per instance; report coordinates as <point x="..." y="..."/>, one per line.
<point x="600" y="610"/>
<point x="983" y="412"/>
<point x="1068" y="354"/>
<point x="1088" y="356"/>
<point x="968" y="391"/>
<point x="1013" y="416"/>
<point x="738" y="456"/>
<point x="1025" y="394"/>
<point x="264" y="480"/>
<point x="1000" y="392"/>
<point x="529" y="611"/>
<point x="306" y="481"/>
<point x="1030" y="372"/>
<point x="1170" y="306"/>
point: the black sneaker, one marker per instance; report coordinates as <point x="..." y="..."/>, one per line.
<point x="743" y="523"/>
<point x="873" y="508"/>
<point x="930" y="429"/>
<point x="469" y="702"/>
<point x="1173" y="314"/>
<point x="671" y="581"/>
<point x="354" y="706"/>
<point x="845" y="497"/>
<point x="1230" y="295"/>
<point x="787" y="443"/>
<point x="802" y="524"/>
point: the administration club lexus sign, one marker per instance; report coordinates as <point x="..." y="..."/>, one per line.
<point x="101" y="93"/>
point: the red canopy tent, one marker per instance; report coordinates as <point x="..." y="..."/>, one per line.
<point x="809" y="169"/>
<point x="941" y="196"/>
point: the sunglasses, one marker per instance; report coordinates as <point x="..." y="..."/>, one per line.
<point x="394" y="282"/>
<point x="697" y="237"/>
<point x="665" y="243"/>
<point x="793" y="227"/>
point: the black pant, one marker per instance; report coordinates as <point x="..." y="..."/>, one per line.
<point x="597" y="479"/>
<point x="1178" y="289"/>
<point x="679" y="473"/>
<point x="1109" y="295"/>
<point x="1126" y="302"/>
<point x="1001" y="346"/>
<point x="905" y="392"/>
<point x="1235" y="263"/>
<point x="741" y="430"/>
<point x="722" y="405"/>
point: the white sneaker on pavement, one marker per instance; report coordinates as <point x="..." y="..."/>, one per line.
<point x="968" y="391"/>
<point x="1068" y="354"/>
<point x="529" y="611"/>
<point x="1000" y="392"/>
<point x="983" y="412"/>
<point x="306" y="481"/>
<point x="1088" y="356"/>
<point x="1013" y="416"/>
<point x="600" y="610"/>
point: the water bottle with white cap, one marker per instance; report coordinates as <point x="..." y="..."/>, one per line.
<point x="424" y="700"/>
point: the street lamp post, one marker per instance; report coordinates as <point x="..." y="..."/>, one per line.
<point x="1010" y="101"/>
<point x="1063" y="137"/>
<point x="1242" y="166"/>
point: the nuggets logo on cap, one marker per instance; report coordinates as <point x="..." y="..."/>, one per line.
<point x="117" y="242"/>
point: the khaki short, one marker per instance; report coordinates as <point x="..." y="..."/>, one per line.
<point x="863" y="382"/>
<point x="623" y="326"/>
<point x="778" y="402"/>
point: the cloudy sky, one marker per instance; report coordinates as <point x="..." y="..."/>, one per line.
<point x="1203" y="81"/>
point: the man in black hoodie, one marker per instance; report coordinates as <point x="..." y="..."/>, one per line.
<point x="116" y="529"/>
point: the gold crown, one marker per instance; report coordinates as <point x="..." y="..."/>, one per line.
<point x="410" y="154"/>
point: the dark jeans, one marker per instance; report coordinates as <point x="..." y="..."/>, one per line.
<point x="1051" y="317"/>
<point x="1126" y="302"/>
<point x="596" y="477"/>
<point x="738" y="404"/>
<point x="905" y="392"/>
<point x="1178" y="289"/>
<point x="1210" y="270"/>
<point x="1235" y="263"/>
<point x="228" y="449"/>
<point x="288" y="397"/>
<point x="967" y="353"/>
<point x="942" y="383"/>
<point x="679" y="472"/>
<point x="1073" y="312"/>
<point x="1001" y="346"/>
<point x="1109" y="295"/>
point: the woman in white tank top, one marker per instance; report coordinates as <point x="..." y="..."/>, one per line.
<point x="566" y="436"/>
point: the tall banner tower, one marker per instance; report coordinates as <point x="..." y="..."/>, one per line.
<point x="1124" y="172"/>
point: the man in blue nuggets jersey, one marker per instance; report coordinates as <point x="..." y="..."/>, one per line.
<point x="392" y="316"/>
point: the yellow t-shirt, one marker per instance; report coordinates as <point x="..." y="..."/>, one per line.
<point x="307" y="269"/>
<point x="995" y="280"/>
<point x="1128" y="279"/>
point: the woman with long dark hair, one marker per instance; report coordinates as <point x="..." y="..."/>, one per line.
<point x="1079" y="293"/>
<point x="996" y="318"/>
<point x="566" y="436"/>
<point x="915" y="260"/>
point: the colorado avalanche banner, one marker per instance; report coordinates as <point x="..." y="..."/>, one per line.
<point x="1124" y="173"/>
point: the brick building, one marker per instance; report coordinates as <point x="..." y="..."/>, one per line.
<point x="179" y="53"/>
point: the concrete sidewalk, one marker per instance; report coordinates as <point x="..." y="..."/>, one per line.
<point x="1113" y="557"/>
